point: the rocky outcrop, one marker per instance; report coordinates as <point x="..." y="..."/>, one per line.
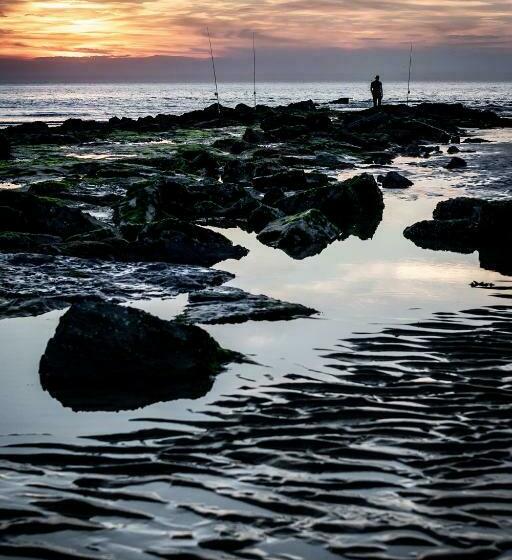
<point x="302" y="235"/>
<point x="340" y="202"/>
<point x="393" y="180"/>
<point x="107" y="357"/>
<point x="231" y="305"/>
<point x="33" y="214"/>
<point x="179" y="242"/>
<point x="466" y="225"/>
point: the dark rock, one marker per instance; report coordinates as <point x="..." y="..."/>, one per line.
<point x="420" y="151"/>
<point x="261" y="217"/>
<point x="14" y="241"/>
<point x="290" y="180"/>
<point x="468" y="224"/>
<point x="200" y="159"/>
<point x="231" y="305"/>
<point x="254" y="136"/>
<point x="379" y="158"/>
<point x="456" y="163"/>
<point x="232" y="145"/>
<point x="293" y="180"/>
<point x="459" y="208"/>
<point x="453" y="150"/>
<point x="5" y="147"/>
<point x="445" y="235"/>
<point x="340" y="202"/>
<point x="272" y="196"/>
<point x="495" y="224"/>
<point x="107" y="357"/>
<point x="474" y="140"/>
<point x="44" y="215"/>
<point x="331" y="161"/>
<point x="340" y="101"/>
<point x="301" y="235"/>
<point x="175" y="241"/>
<point x="394" y="180"/>
<point x="10" y="218"/>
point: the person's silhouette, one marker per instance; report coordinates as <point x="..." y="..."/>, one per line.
<point x="377" y="91"/>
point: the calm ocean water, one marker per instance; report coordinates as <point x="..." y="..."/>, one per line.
<point x="54" y="103"/>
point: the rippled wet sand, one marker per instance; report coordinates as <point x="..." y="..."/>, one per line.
<point x="403" y="450"/>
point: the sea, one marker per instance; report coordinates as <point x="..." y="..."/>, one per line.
<point x="53" y="103"/>
<point x="379" y="429"/>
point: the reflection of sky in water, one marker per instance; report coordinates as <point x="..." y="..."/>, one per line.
<point x="356" y="285"/>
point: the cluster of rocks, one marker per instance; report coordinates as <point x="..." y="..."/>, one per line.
<point x="466" y="225"/>
<point x="272" y="180"/>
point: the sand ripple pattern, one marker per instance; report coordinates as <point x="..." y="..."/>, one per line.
<point x="403" y="452"/>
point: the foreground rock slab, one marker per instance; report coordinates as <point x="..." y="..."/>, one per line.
<point x="232" y="305"/>
<point x="107" y="357"/>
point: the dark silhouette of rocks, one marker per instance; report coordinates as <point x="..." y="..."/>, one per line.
<point x="107" y="357"/>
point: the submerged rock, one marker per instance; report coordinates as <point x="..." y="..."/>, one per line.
<point x="394" y="180"/>
<point x="302" y="235"/>
<point x="453" y="150"/>
<point x="232" y="305"/>
<point x="107" y="357"/>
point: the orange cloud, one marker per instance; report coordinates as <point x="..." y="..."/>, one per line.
<point x="176" y="27"/>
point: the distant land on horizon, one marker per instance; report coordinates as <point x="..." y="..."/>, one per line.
<point x="322" y="65"/>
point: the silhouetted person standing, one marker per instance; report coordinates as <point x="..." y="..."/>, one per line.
<point x="377" y="92"/>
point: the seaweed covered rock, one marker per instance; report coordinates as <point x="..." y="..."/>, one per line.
<point x="45" y="215"/>
<point x="107" y="357"/>
<point x="342" y="202"/>
<point x="179" y="242"/>
<point x="302" y="235"/>
<point x="156" y="200"/>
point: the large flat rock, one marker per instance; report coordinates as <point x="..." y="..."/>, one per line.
<point x="232" y="305"/>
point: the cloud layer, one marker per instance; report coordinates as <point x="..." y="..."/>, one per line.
<point x="177" y="27"/>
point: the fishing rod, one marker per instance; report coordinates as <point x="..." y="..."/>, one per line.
<point x="409" y="80"/>
<point x="254" y="68"/>
<point x="214" y="70"/>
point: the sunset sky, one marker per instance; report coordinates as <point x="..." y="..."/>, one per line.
<point x="176" y="27"/>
